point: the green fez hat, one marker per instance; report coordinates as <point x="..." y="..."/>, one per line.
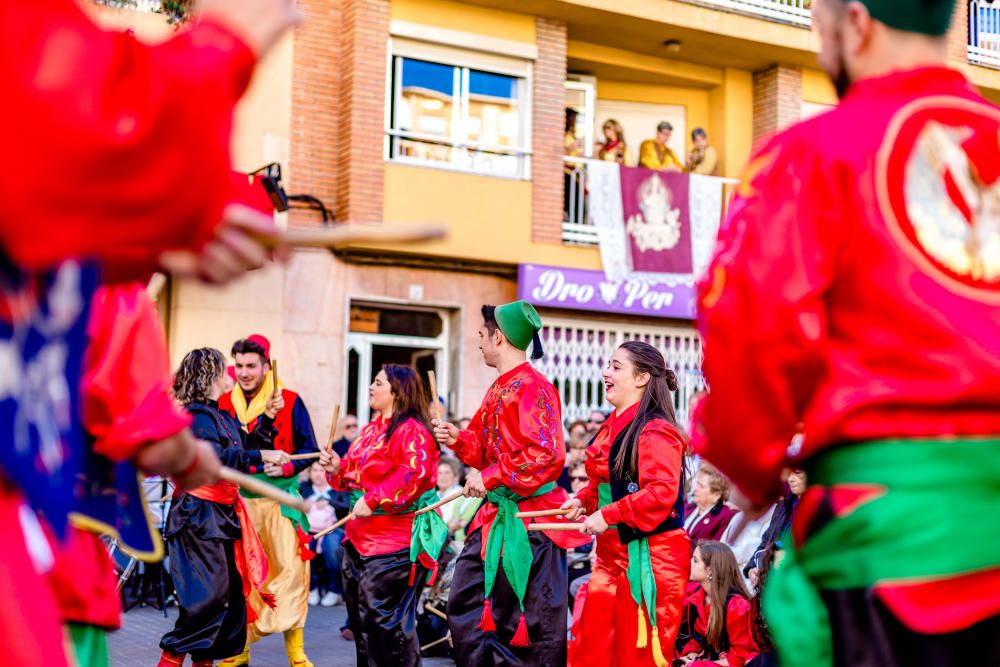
<point x="519" y="322"/>
<point x="931" y="17"/>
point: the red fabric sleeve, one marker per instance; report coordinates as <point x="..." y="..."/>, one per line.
<point x="773" y="265"/>
<point x="126" y="381"/>
<point x="123" y="147"/>
<point x="741" y="644"/>
<point x="588" y="497"/>
<point x="661" y="450"/>
<point x="534" y="449"/>
<point x="469" y="449"/>
<point x="409" y="468"/>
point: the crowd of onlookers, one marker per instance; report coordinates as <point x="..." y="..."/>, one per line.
<point x="737" y="550"/>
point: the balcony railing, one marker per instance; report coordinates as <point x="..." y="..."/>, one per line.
<point x="793" y="12"/>
<point x="138" y="5"/>
<point x="577" y="228"/>
<point x="984" y="33"/>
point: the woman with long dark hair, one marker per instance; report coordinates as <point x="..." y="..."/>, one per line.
<point x="635" y="505"/>
<point x="216" y="560"/>
<point x="717" y="621"/>
<point x="390" y="471"/>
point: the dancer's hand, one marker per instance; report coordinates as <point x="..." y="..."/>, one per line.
<point x="445" y="433"/>
<point x="595" y="524"/>
<point x="274" y="470"/>
<point x="274" y="405"/>
<point x="329" y="460"/>
<point x="361" y="508"/>
<point x="275" y="456"/>
<point x="575" y="505"/>
<point x="474" y="487"/>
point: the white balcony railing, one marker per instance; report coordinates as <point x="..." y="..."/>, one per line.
<point x="984" y="33"/>
<point x="794" y="12"/>
<point x="576" y="227"/>
<point x="138" y="5"/>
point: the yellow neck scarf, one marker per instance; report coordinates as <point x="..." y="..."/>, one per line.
<point x="247" y="413"/>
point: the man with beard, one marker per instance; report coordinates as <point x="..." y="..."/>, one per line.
<point x="869" y="273"/>
<point x="258" y="404"/>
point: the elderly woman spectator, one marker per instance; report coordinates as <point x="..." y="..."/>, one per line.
<point x="709" y="516"/>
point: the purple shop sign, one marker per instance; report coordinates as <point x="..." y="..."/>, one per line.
<point x="579" y="289"/>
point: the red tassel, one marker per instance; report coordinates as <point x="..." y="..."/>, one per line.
<point x="521" y="639"/>
<point x="413" y="573"/>
<point x="305" y="553"/>
<point x="487" y="624"/>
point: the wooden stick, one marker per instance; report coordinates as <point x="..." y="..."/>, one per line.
<point x="261" y="488"/>
<point x="438" y="408"/>
<point x="304" y="457"/>
<point x="443" y="501"/>
<point x="437" y="612"/>
<point x="333" y="426"/>
<point x="327" y="531"/>
<point x="274" y="378"/>
<point x="540" y="513"/>
<point x="556" y="526"/>
<point x="447" y="637"/>
<point x="346" y="234"/>
<point x="155" y="285"/>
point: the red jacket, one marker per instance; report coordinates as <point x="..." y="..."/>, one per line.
<point x="392" y="474"/>
<point x="738" y="630"/>
<point x="516" y="440"/>
<point x="848" y="291"/>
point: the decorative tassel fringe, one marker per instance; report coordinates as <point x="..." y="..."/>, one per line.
<point x="641" y="641"/>
<point x="413" y="574"/>
<point x="520" y="638"/>
<point x="487" y="624"/>
<point x="658" y="651"/>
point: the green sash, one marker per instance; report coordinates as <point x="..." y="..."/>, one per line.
<point x="288" y="485"/>
<point x="509" y="536"/>
<point x="641" y="582"/>
<point x="907" y="533"/>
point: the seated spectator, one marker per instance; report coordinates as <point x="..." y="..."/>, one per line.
<point x="703" y="159"/>
<point x="325" y="507"/>
<point x="614" y="148"/>
<point x="768" y="656"/>
<point x="655" y="154"/>
<point x="781" y="519"/>
<point x="577" y="477"/>
<point x="458" y="514"/>
<point x="708" y="516"/>
<point x="348" y="428"/>
<point x="743" y="537"/>
<point x="716" y="625"/>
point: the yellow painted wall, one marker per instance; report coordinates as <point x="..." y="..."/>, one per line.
<point x="263" y="121"/>
<point x="489" y="219"/>
<point x="467" y="18"/>
<point x="731" y="110"/>
<point x="817" y="88"/>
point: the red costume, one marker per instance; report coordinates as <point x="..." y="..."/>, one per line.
<point x="516" y="440"/>
<point x="870" y="272"/>
<point x="736" y="644"/>
<point x="609" y="624"/>
<point x="391" y="475"/>
<point x="383" y="577"/>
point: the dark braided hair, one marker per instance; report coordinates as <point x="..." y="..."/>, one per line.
<point x="656" y="400"/>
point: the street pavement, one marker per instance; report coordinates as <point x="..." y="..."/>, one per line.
<point x="137" y="643"/>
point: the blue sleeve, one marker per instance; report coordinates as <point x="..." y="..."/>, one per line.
<point x="303" y="437"/>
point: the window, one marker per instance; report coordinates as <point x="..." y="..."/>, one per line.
<point x="461" y="117"/>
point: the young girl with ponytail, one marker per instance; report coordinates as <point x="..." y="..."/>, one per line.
<point x="635" y="505"/>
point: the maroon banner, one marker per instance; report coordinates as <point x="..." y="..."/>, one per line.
<point x="657" y="223"/>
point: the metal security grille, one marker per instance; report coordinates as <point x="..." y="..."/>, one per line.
<point x="576" y="352"/>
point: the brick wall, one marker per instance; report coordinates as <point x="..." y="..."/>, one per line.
<point x="777" y="99"/>
<point x="958" y="36"/>
<point x="547" y="123"/>
<point x="338" y="98"/>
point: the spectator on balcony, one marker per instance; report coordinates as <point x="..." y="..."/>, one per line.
<point x="655" y="154"/>
<point x="614" y="148"/>
<point x="703" y="159"/>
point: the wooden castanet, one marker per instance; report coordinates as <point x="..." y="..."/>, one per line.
<point x="443" y="501"/>
<point x="261" y="488"/>
<point x="566" y="527"/>
<point x="540" y="513"/>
